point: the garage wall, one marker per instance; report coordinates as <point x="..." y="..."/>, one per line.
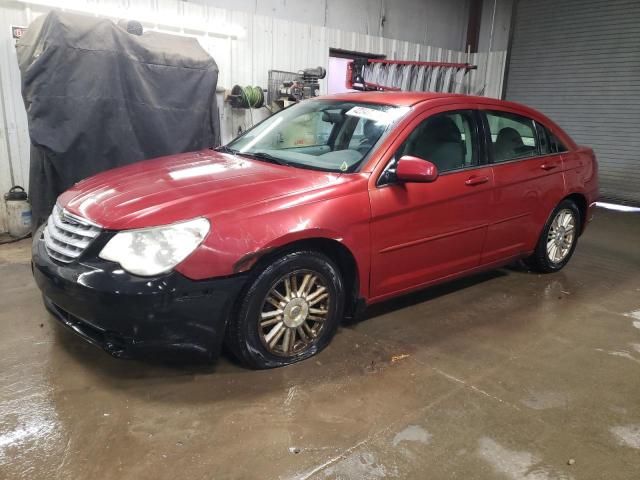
<point x="14" y="136"/>
<point x="495" y="25"/>
<point x="579" y="62"/>
<point x="432" y="22"/>
<point x="267" y="43"/>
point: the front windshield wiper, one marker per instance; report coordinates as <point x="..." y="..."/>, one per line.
<point x="259" y="155"/>
<point x="225" y="149"/>
<point x="265" y="156"/>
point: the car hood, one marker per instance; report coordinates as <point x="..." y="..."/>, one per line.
<point x="179" y="187"/>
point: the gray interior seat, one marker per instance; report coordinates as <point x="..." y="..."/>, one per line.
<point x="371" y="133"/>
<point x="440" y="142"/>
<point x="508" y="144"/>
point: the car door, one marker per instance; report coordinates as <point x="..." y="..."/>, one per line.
<point x="423" y="232"/>
<point x="528" y="184"/>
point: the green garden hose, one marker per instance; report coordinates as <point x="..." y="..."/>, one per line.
<point x="247" y="97"/>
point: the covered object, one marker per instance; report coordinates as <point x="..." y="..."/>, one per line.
<point x="98" y="97"/>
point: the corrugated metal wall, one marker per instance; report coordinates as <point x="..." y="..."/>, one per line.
<point x="14" y="136"/>
<point x="269" y="43"/>
<point x="441" y="23"/>
<point x="579" y="62"/>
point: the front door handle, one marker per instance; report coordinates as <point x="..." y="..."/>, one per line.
<point x="471" y="181"/>
<point x="549" y="166"/>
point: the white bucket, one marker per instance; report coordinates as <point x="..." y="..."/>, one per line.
<point x="18" y="212"/>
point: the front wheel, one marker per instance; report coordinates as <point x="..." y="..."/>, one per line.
<point x="558" y="239"/>
<point x="290" y="311"/>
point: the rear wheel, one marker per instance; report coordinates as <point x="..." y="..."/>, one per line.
<point x="289" y="313"/>
<point x="558" y="239"/>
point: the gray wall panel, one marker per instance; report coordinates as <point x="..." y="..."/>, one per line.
<point x="579" y="62"/>
<point x="501" y="25"/>
<point x="438" y="23"/>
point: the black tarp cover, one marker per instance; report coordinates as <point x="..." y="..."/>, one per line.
<point x="98" y="97"/>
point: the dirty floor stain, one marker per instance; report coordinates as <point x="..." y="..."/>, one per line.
<point x="517" y="465"/>
<point x="413" y="433"/>
<point x="545" y="400"/>
<point x="627" y="435"/>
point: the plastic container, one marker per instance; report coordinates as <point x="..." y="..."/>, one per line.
<point x="18" y="212"/>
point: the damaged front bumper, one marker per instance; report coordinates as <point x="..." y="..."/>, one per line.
<point x="126" y="314"/>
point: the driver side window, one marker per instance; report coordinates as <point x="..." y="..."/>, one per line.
<point x="448" y="140"/>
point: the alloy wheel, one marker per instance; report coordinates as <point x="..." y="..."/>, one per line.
<point x="294" y="313"/>
<point x="561" y="236"/>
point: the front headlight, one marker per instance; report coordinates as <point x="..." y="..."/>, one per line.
<point x="152" y="251"/>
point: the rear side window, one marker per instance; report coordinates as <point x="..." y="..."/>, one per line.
<point x="549" y="143"/>
<point x="556" y="145"/>
<point x="512" y="136"/>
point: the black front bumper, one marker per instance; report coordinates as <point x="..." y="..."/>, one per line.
<point x="127" y="314"/>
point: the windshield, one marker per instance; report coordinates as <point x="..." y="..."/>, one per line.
<point x="319" y="134"/>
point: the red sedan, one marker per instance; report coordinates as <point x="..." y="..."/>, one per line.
<point x="335" y="203"/>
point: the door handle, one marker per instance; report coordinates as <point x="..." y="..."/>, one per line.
<point x="471" y="181"/>
<point x="549" y="166"/>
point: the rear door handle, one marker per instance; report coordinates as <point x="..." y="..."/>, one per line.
<point x="471" y="181"/>
<point x="549" y="166"/>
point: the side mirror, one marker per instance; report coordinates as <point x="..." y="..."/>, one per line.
<point x="414" y="169"/>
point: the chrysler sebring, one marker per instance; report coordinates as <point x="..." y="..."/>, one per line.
<point x="267" y="243"/>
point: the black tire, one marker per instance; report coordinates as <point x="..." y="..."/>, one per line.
<point x="540" y="261"/>
<point x="245" y="337"/>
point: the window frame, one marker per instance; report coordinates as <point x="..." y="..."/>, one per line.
<point x="489" y="145"/>
<point x="478" y="144"/>
<point x="554" y="140"/>
<point x="542" y="132"/>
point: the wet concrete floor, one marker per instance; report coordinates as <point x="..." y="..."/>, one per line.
<point x="506" y="375"/>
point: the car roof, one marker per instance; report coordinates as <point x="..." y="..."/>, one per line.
<point x="407" y="99"/>
<point x="400" y="99"/>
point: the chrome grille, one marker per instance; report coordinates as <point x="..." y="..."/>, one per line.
<point x="66" y="236"/>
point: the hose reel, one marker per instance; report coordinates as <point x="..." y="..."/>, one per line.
<point x="246" y="97"/>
